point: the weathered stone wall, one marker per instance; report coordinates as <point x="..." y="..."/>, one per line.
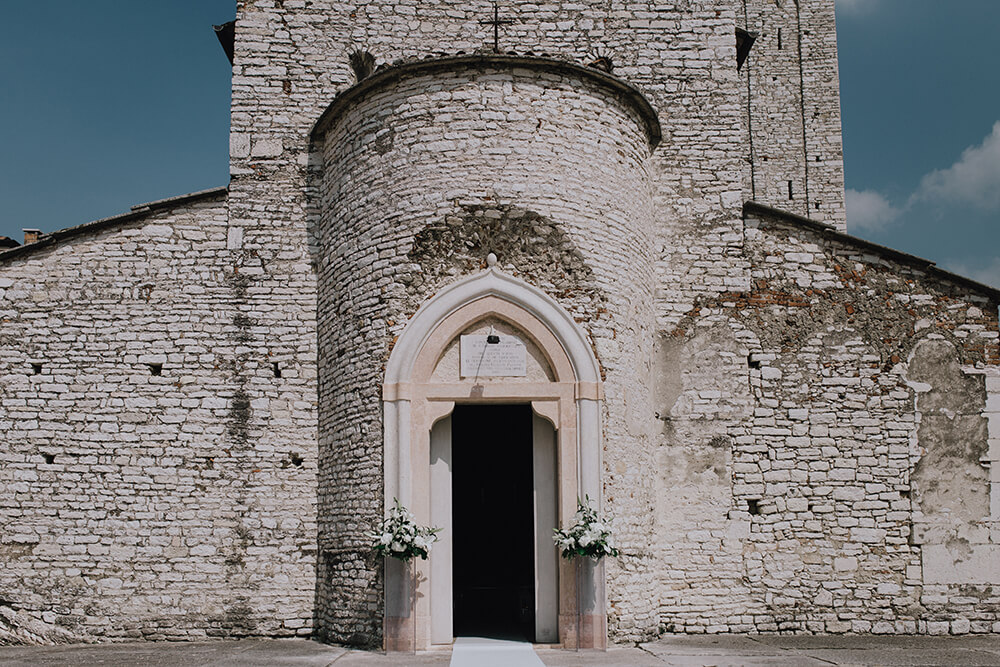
<point x="801" y="431"/>
<point x="791" y="97"/>
<point x="853" y="493"/>
<point x="292" y="60"/>
<point x="290" y="63"/>
<point x="824" y="153"/>
<point x="157" y="480"/>
<point x="548" y="172"/>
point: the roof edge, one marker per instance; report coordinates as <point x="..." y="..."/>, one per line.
<point x="388" y="75"/>
<point x="752" y="207"/>
<point x="137" y="212"/>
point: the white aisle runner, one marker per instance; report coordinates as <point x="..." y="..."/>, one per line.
<point x="481" y="652"/>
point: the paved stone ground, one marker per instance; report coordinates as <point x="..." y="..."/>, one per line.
<point x="681" y="651"/>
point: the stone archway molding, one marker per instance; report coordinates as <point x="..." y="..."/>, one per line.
<point x="412" y="404"/>
<point x="491" y="282"/>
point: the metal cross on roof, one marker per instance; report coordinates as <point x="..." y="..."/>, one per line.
<point x="496" y="22"/>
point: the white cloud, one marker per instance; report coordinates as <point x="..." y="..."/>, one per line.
<point x="869" y="211"/>
<point x="973" y="180"/>
<point x="988" y="273"/>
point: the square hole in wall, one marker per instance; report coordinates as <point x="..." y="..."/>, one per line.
<point x="155" y="369"/>
<point x="36" y="369"/>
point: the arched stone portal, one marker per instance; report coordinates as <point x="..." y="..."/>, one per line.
<point x="568" y="397"/>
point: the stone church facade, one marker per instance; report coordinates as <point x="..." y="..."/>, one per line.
<point x="208" y="402"/>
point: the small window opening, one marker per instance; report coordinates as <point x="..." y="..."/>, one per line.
<point x="753" y="506"/>
<point x="744" y="42"/>
<point x="817" y="158"/>
<point x="789" y="189"/>
<point x="155" y="369"/>
<point x="779" y="39"/>
<point x="36" y="369"/>
<point x="751" y="362"/>
<point x="817" y="206"/>
<point x="50" y="458"/>
<point x="904" y="494"/>
<point x="276" y="369"/>
<point x="295" y="459"/>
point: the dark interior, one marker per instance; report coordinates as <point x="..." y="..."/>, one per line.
<point x="493" y="522"/>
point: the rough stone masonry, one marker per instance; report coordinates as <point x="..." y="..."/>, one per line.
<point x="801" y="430"/>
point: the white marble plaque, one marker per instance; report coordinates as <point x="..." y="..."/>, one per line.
<point x="508" y="358"/>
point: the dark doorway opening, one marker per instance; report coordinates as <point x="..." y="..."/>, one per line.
<point x="493" y="519"/>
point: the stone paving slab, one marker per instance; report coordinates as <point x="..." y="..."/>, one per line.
<point x="680" y="651"/>
<point x="905" y="658"/>
<point x="614" y="656"/>
<point x="741" y="645"/>
<point x="813" y="651"/>
<point x="741" y="661"/>
<point x="908" y="642"/>
<point x="376" y="659"/>
<point x="248" y="653"/>
<point x="726" y="651"/>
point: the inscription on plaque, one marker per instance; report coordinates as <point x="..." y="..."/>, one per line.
<point x="507" y="358"/>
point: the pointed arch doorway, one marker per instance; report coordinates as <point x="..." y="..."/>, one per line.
<point x="561" y="387"/>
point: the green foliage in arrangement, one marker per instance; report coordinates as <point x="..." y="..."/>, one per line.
<point x="588" y="536"/>
<point x="400" y="537"/>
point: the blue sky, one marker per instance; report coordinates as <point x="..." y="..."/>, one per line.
<point x="105" y="104"/>
<point x="920" y="98"/>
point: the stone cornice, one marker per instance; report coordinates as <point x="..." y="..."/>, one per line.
<point x="621" y="89"/>
<point x="138" y="212"/>
<point x="828" y="231"/>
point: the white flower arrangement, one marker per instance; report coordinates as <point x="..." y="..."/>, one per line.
<point x="400" y="537"/>
<point x="588" y="536"/>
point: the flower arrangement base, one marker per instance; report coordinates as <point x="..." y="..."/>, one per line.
<point x="592" y="615"/>
<point x="399" y="626"/>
